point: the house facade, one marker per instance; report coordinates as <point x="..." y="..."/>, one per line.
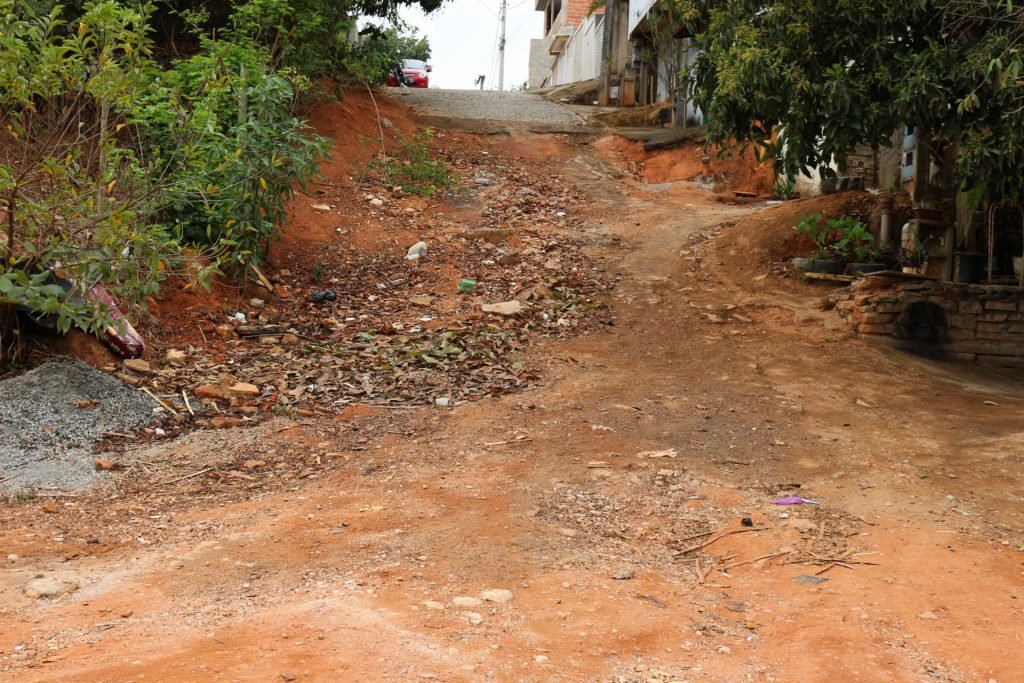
<point x="572" y="39"/>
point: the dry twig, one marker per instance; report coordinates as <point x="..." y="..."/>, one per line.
<point x="718" y="537"/>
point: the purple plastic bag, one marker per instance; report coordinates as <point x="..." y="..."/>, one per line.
<point x="794" y="500"/>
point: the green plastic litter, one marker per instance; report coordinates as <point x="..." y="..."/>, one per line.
<point x="466" y="285"/>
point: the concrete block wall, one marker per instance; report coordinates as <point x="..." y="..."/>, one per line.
<point x="965" y="322"/>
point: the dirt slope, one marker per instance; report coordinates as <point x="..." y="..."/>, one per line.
<point x="718" y="390"/>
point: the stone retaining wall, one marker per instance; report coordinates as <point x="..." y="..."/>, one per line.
<point x="965" y="322"/>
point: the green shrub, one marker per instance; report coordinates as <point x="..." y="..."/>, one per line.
<point x="412" y="167"/>
<point x="229" y="147"/>
<point x="74" y="197"/>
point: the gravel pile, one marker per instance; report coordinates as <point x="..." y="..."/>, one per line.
<point x="50" y="418"/>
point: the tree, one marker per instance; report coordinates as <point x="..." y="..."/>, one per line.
<point x="381" y="49"/>
<point x="806" y="81"/>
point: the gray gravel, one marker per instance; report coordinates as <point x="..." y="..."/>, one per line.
<point x="488" y="105"/>
<point x="46" y="439"/>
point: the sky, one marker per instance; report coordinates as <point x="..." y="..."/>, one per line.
<point x="463" y="37"/>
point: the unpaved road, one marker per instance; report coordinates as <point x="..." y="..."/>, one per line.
<point x="583" y="502"/>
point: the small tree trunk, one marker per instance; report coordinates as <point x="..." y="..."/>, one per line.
<point x="101" y="173"/>
<point x="10" y="340"/>
<point x="1020" y="282"/>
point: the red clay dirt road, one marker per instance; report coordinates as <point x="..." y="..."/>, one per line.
<point x="553" y="535"/>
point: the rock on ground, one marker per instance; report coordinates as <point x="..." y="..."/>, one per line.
<point x="48" y="588"/>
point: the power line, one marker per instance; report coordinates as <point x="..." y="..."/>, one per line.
<point x="488" y="7"/>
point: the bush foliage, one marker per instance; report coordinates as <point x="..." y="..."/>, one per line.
<point x="130" y="130"/>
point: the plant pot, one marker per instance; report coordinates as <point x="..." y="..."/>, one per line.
<point x="827" y="266"/>
<point x="803" y="264"/>
<point x="1017" y="262"/>
<point x="923" y="214"/>
<point x="864" y="268"/>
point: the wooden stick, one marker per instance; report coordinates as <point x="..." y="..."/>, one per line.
<point x="720" y="536"/>
<point x="123" y="436"/>
<point x="160" y="402"/>
<point x="187" y="476"/>
<point x="504" y="443"/>
<point x="753" y="559"/>
<point x="690" y="538"/>
<point x="187" y="405"/>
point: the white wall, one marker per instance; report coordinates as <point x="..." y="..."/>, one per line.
<point x="638" y="9"/>
<point x="581" y="58"/>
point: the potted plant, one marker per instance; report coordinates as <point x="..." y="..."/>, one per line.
<point x="824" y="237"/>
<point x="785" y="188"/>
<point x="856" y="243"/>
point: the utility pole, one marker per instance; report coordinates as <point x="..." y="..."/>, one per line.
<point x="501" y="48"/>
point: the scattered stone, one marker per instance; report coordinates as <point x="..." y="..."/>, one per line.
<point x="442" y="401"/>
<point x="244" y="390"/>
<point x="433" y="604"/>
<point x="929" y="615"/>
<point x="257" y="303"/>
<point x="176" y="356"/>
<point x="321" y="207"/>
<point x="137" y="365"/>
<point x="540" y="659"/>
<point x="466" y="601"/>
<point x="416" y="251"/>
<point x="510" y="308"/>
<point x="253" y="464"/>
<point x="483" y="181"/>
<point x="386" y="123"/>
<point x="288" y="676"/>
<point x="813" y="580"/>
<point x="497" y="595"/>
<point x="624" y="575"/>
<point x="104" y="464"/>
<point x="209" y="391"/>
<point x="801" y="524"/>
<point x="221" y="422"/>
<point x="421" y="300"/>
<point x="225" y="331"/>
<point x="290" y="340"/>
<point x="322" y="296"/>
<point x="49" y="588"/>
<point x="474" y="618"/>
